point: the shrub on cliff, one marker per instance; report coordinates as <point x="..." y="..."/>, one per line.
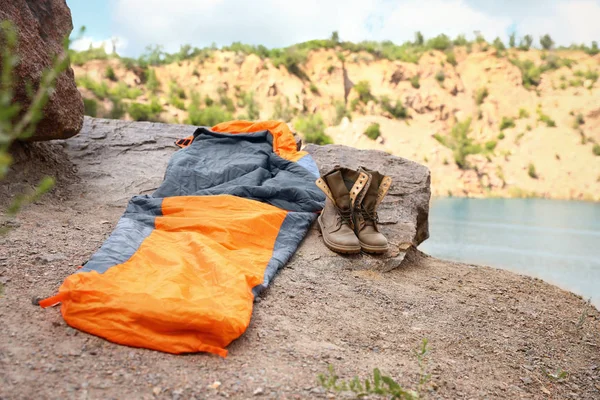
<point x="90" y="107"/>
<point x="461" y="144"/>
<point x="145" y="112"/>
<point x="397" y="110"/>
<point x="312" y="128"/>
<point x="373" y="131"/>
<point x="363" y="89"/>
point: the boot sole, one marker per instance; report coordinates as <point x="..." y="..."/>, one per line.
<point x="373" y="249"/>
<point x="335" y="247"/>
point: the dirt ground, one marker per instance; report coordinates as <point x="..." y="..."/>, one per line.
<point x="492" y="334"/>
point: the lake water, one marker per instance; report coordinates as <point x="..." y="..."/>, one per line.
<point x="557" y="241"/>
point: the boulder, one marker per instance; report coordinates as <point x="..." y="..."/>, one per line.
<point x="404" y="212"/>
<point x="120" y="159"/>
<point x="42" y="26"/>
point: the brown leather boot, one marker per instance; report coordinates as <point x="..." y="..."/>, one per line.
<point x="344" y="188"/>
<point x="365" y="222"/>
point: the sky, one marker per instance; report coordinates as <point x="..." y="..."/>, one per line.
<point x="278" y="23"/>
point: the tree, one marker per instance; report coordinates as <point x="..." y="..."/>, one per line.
<point x="499" y="45"/>
<point x="526" y="42"/>
<point x="594" y="49"/>
<point x="115" y="41"/>
<point x="512" y="40"/>
<point x="419" y="39"/>
<point x="335" y="37"/>
<point x="546" y="42"/>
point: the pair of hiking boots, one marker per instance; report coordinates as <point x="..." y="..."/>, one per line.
<point x="348" y="221"/>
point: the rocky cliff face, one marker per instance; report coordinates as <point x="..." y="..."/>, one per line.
<point x="42" y="25"/>
<point x="553" y="126"/>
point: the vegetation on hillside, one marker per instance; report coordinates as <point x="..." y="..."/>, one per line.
<point x="460" y="142"/>
<point x="294" y="56"/>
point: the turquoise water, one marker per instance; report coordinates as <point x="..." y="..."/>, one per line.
<point x="557" y="241"/>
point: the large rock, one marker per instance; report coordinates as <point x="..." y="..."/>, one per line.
<point x="42" y="25"/>
<point x="119" y="159"/>
<point x="403" y="213"/>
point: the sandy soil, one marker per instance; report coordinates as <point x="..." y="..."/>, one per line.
<point x="491" y="333"/>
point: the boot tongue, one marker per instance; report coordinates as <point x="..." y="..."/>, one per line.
<point x="338" y="188"/>
<point x="370" y="200"/>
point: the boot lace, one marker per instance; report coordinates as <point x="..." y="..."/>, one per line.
<point x="370" y="215"/>
<point x="345" y="216"/>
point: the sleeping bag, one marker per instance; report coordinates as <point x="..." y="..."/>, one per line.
<point x="180" y="271"/>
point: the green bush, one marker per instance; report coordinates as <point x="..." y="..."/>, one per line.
<point x="397" y="111"/>
<point x="414" y="81"/>
<point x="451" y="58"/>
<point x="81" y="57"/>
<point x="591" y="75"/>
<point x="523" y="113"/>
<point x="501" y="136"/>
<point x="330" y="69"/>
<point x="526" y="42"/>
<point x="440" y="42"/>
<point x="100" y="89"/>
<point x="208" y="101"/>
<point x="419" y="39"/>
<point x="460" y="142"/>
<point x="340" y="112"/>
<point x="491" y="145"/>
<point x="227" y="102"/>
<point x="177" y="102"/>
<point x="291" y="58"/>
<point x="480" y="95"/>
<point x="592" y="51"/>
<point x="498" y="45"/>
<point x="546" y="119"/>
<point x="122" y="91"/>
<point x="576" y="82"/>
<point x="110" y="74"/>
<point x="177" y="91"/>
<point x="312" y="128"/>
<point x="209" y="116"/>
<point x="507" y="122"/>
<point x="90" y="107"/>
<point x="440" y="77"/>
<point x="512" y="40"/>
<point x="145" y="112"/>
<point x="460" y="40"/>
<point x="152" y="81"/>
<point x="596" y="149"/>
<point x="531" y="74"/>
<point x="314" y="89"/>
<point x="118" y="109"/>
<point x="579" y="120"/>
<point x="373" y="131"/>
<point x="363" y="89"/>
<point x="546" y="42"/>
<point x="531" y="171"/>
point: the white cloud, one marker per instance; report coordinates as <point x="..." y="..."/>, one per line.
<point x="575" y="21"/>
<point x="453" y="17"/>
<point x="86" y="42"/>
<point x="276" y="23"/>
